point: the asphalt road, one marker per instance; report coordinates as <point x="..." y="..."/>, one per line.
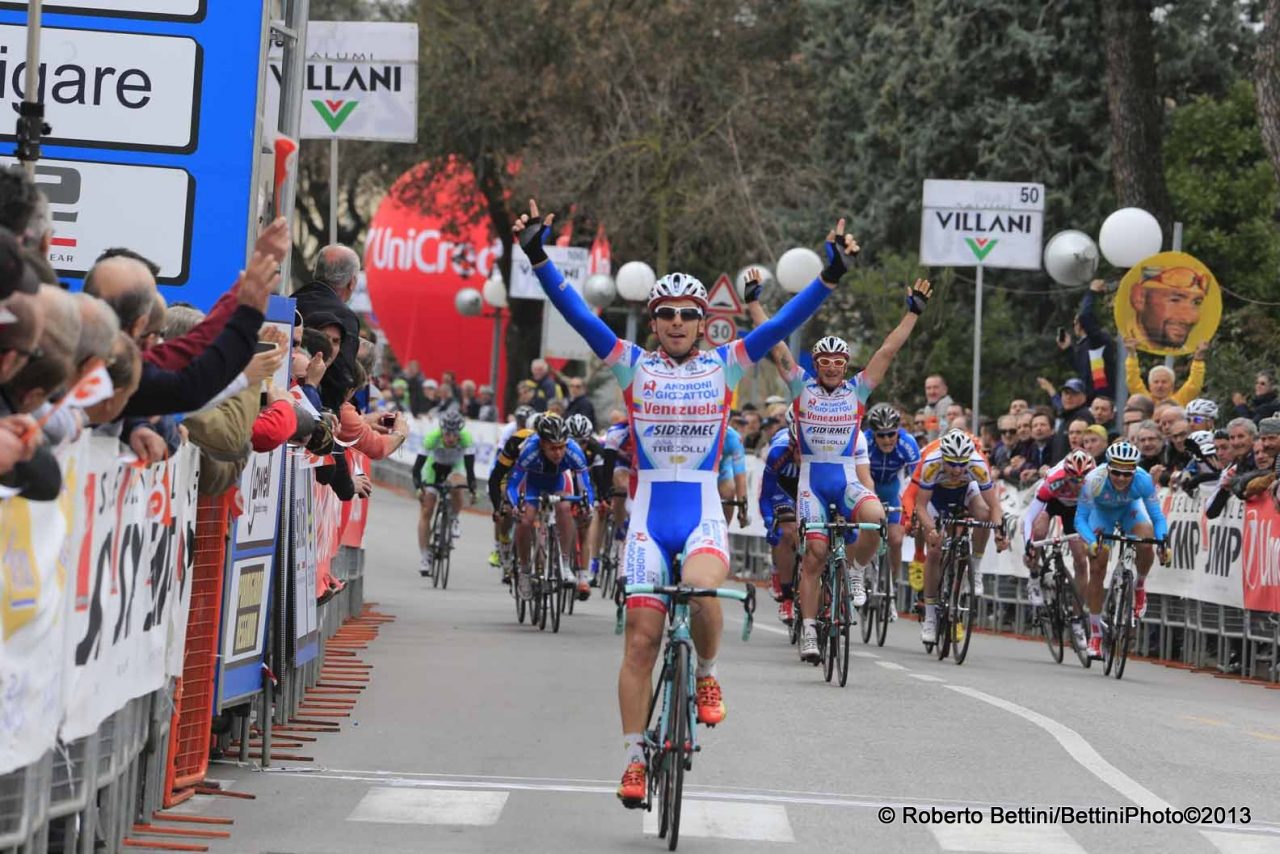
<point x="478" y="734"/>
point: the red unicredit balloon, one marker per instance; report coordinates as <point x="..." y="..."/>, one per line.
<point x="428" y="240"/>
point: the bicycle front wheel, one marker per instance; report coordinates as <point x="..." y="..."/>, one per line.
<point x="1072" y="610"/>
<point x="944" y="606"/>
<point x="677" y="736"/>
<point x="1051" y="625"/>
<point x="871" y="608"/>
<point x="963" y="601"/>
<point x="1110" y="625"/>
<point x="441" y="533"/>
<point x="885" y="603"/>
<point x="828" y="629"/>
<point x="840" y="631"/>
<point x="1124" y="627"/>
<point x="554" y="588"/>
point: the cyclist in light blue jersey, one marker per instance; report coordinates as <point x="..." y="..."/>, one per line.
<point x="732" y="481"/>
<point x="1118" y="493"/>
<point x="893" y="451"/>
<point x="677" y="400"/>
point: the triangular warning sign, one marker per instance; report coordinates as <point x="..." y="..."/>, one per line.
<point x="723" y="297"/>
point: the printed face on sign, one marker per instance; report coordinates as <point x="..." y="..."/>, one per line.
<point x="1170" y="304"/>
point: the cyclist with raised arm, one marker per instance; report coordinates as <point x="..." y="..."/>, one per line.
<point x="550" y="462"/>
<point x="892" y="451"/>
<point x="778" y="511"/>
<point x="732" y="481"/>
<point x="580" y="430"/>
<point x="1118" y="493"/>
<point x="448" y="454"/>
<point x="952" y="478"/>
<point x="1056" y="496"/>
<point x="677" y="403"/>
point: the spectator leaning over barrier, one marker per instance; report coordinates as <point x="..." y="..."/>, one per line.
<point x="367" y="435"/>
<point x="1037" y="454"/>
<point x="1160" y="379"/>
<point x="1241" y="432"/>
<point x="579" y="402"/>
<point x="1093" y="350"/>
<point x="124" y="369"/>
<point x="936" y="401"/>
<point x="333" y="282"/>
<point x="1150" y="442"/>
<point x="1007" y="434"/>
<point x="1167" y="415"/>
<point x="24" y="210"/>
<point x="19" y="334"/>
<point x="52" y="363"/>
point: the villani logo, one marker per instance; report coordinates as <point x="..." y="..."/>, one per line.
<point x="979" y="246"/>
<point x="334" y="113"/>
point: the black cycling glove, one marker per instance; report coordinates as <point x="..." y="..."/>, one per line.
<point x="917" y="300"/>
<point x="532" y="236"/>
<point x="837" y="261"/>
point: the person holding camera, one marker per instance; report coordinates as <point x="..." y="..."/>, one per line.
<point x="1092" y="350"/>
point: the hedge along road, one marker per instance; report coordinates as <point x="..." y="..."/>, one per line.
<point x="478" y="734"/>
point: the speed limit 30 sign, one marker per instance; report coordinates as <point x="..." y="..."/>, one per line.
<point x="720" y="330"/>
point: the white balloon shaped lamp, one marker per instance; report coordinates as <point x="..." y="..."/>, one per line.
<point x="798" y="267"/>
<point x="1128" y="236"/>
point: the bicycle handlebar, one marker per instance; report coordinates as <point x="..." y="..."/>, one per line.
<point x="1054" y="541"/>
<point x="734" y="502"/>
<point x="1137" y="541"/>
<point x="840" y="525"/>
<point x="683" y="593"/>
<point x="975" y="523"/>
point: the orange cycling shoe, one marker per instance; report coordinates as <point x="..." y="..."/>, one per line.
<point x="631" y="790"/>
<point x="711" y="709"/>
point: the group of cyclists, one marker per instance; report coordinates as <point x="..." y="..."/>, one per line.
<point x="674" y="463"/>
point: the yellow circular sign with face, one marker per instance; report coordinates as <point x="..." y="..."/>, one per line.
<point x="1170" y="303"/>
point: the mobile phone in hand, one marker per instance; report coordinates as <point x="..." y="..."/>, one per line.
<point x="387" y="419"/>
<point x="265" y="347"/>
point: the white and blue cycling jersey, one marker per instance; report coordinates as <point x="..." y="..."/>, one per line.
<point x="886" y="469"/>
<point x="828" y="429"/>
<point x="618" y="439"/>
<point x="778" y="482"/>
<point x="534" y="474"/>
<point x="678" y="412"/>
<point x="733" y="459"/>
<point x="1101" y="506"/>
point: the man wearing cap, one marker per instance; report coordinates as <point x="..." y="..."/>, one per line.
<point x="1166" y="305"/>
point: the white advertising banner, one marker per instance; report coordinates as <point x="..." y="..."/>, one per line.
<point x="99" y="205"/>
<point x="988" y="223"/>
<point x="1206" y="554"/>
<point x="132" y="574"/>
<point x="361" y="82"/>
<point x="111" y="90"/>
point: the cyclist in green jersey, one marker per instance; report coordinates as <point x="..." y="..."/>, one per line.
<point x="448" y="454"/>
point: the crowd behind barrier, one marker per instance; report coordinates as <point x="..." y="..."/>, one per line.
<point x="1217" y="602"/>
<point x="122" y="605"/>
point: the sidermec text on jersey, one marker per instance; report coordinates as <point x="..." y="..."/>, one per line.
<point x="77" y="84"/>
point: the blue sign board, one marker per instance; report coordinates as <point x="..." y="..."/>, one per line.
<point x="153" y="106"/>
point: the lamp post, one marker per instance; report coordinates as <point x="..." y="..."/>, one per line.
<point x="634" y="280"/>
<point x="470" y="302"/>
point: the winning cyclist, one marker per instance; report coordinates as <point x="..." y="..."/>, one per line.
<point x="892" y="451"/>
<point x="549" y="462"/>
<point x="732" y="481"/>
<point x="778" y="510"/>
<point x="1057" y="495"/>
<point x="580" y="430"/>
<point x="447" y="452"/>
<point x="951" y="478"/>
<point x="829" y="412"/>
<point x="677" y="402"/>
<point x="1118" y="493"/>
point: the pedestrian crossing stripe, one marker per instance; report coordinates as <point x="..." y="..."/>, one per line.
<point x="728" y="820"/>
<point x="396" y="805"/>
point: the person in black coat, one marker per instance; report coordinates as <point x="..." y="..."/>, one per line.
<point x="333" y="283"/>
<point x="1093" y="349"/>
<point x="1265" y="402"/>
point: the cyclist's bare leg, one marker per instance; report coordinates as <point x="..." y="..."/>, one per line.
<point x="425" y="515"/>
<point x="1080" y="561"/>
<point x="639" y="654"/>
<point x="1146" y="554"/>
<point x="1039" y="530"/>
<point x="455" y="495"/>
<point x="524" y="533"/>
<point x="868" y="542"/>
<point x="727" y="494"/>
<point x="895" y="549"/>
<point x="784" y="553"/>
<point x="707" y="619"/>
<point x="815" y="558"/>
<point x="1097" y="574"/>
<point x="568" y="528"/>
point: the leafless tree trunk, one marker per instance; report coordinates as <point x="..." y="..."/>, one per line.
<point x="1268" y="82"/>
<point x="1137" y="168"/>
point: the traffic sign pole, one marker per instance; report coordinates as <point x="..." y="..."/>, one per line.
<point x="977" y="350"/>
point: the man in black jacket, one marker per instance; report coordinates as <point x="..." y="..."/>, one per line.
<point x="333" y="283"/>
<point x="1265" y="402"/>
<point x="1093" y="350"/>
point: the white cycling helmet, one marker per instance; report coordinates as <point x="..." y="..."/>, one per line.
<point x="1123" y="455"/>
<point x="579" y="426"/>
<point x="956" y="447"/>
<point x="1203" y="408"/>
<point x="677" y="286"/>
<point x="830" y="344"/>
<point x="1203" y="440"/>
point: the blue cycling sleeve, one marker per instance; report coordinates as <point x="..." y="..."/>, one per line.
<point x="1160" y="525"/>
<point x="1084" y="524"/>
<point x="797" y="310"/>
<point x="514" y="480"/>
<point x="599" y="337"/>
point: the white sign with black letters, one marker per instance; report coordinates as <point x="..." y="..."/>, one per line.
<point x="260" y="493"/>
<point x="987" y="223"/>
<point x="99" y="205"/>
<point x="111" y="90"/>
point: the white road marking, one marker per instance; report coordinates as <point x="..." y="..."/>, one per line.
<point x="774" y="630"/>
<point x="861" y="654"/>
<point x="1242" y="843"/>
<point x="1038" y="839"/>
<point x="890" y="665"/>
<point x="925" y="677"/>
<point x="728" y="820"/>
<point x="395" y="805"/>
<point x="1077" y="748"/>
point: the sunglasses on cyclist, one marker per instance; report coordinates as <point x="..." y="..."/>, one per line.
<point x="1122" y="473"/>
<point x="688" y="315"/>
<point x="1200" y="419"/>
<point x="831" y="361"/>
<point x="955" y="464"/>
<point x="887" y="434"/>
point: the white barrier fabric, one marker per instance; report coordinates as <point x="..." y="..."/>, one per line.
<point x="95" y="595"/>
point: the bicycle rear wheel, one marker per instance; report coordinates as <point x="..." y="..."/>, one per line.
<point x="440" y="532"/>
<point x="885" y="603"/>
<point x="943" y="608"/>
<point x="840" y="631"/>
<point x="1072" y="609"/>
<point x="555" y="583"/>
<point x="1049" y="616"/>
<point x="1126" y="626"/>
<point x="963" y="601"/>
<point x="1109" y="626"/>
<point x="607" y="557"/>
<point x="871" y="608"/>
<point x="521" y="604"/>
